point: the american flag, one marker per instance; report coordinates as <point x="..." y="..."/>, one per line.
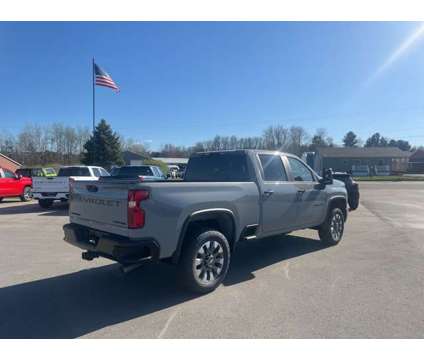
<point x="104" y="79"/>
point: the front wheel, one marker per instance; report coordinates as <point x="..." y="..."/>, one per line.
<point x="331" y="231"/>
<point x="204" y="261"/>
<point x="27" y="194"/>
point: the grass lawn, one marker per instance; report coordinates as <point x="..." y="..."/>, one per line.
<point x="390" y="178"/>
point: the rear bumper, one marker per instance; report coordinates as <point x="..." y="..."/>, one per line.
<point x="50" y="195"/>
<point x="114" y="247"/>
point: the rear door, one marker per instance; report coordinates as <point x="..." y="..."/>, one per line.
<point x="278" y="195"/>
<point x="311" y="198"/>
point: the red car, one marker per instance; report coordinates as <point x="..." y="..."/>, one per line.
<point x="12" y="185"/>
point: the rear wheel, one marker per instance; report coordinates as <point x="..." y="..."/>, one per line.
<point x="27" y="195"/>
<point x="45" y="203"/>
<point x="1" y="199"/>
<point x="331" y="231"/>
<point x="204" y="261"/>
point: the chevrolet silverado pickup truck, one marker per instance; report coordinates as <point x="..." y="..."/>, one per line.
<point x="14" y="185"/>
<point x="225" y="197"/>
<point x="49" y="189"/>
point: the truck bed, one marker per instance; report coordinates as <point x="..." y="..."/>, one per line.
<point x="102" y="205"/>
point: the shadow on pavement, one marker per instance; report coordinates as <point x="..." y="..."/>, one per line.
<point x="75" y="304"/>
<point x="58" y="209"/>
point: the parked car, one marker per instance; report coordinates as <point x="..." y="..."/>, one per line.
<point x="13" y="185"/>
<point x="225" y="197"/>
<point x="352" y="188"/>
<point x="141" y="172"/>
<point x="33" y="172"/>
<point x="49" y="189"/>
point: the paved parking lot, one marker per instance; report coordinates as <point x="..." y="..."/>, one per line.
<point x="370" y="285"/>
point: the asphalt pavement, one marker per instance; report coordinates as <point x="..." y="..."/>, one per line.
<point x="369" y="286"/>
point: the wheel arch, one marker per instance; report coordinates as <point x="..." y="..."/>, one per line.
<point x="221" y="219"/>
<point x="338" y="201"/>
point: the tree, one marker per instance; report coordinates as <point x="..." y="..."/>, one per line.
<point x="320" y="139"/>
<point x="103" y="148"/>
<point x="401" y="144"/>
<point x="374" y="140"/>
<point x="298" y="137"/>
<point x="350" y="139"/>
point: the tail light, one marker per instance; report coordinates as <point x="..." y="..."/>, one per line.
<point x="136" y="215"/>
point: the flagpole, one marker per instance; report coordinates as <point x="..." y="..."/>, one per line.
<point x="94" y="97"/>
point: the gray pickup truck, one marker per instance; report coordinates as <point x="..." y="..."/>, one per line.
<point x="225" y="197"/>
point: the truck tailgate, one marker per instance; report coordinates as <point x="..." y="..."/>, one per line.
<point x="99" y="205"/>
<point x="50" y="184"/>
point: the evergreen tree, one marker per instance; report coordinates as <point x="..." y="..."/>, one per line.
<point x="350" y="139"/>
<point x="103" y="148"/>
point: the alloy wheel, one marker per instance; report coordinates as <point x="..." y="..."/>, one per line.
<point x="208" y="262"/>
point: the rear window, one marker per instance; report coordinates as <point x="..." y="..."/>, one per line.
<point x="224" y="167"/>
<point x="74" y="171"/>
<point x="24" y="172"/>
<point x="130" y="171"/>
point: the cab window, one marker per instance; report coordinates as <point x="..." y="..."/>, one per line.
<point x="272" y="167"/>
<point x="103" y="172"/>
<point x="96" y="172"/>
<point x="8" y="174"/>
<point x="299" y="170"/>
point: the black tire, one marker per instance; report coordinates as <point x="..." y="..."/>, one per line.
<point x="331" y="231"/>
<point x="204" y="273"/>
<point x="1" y="199"/>
<point x="27" y="195"/>
<point x="45" y="203"/>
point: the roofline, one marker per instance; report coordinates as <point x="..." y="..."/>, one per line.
<point x="255" y="151"/>
<point x="8" y="158"/>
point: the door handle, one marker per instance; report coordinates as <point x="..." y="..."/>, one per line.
<point x="268" y="193"/>
<point x="300" y="194"/>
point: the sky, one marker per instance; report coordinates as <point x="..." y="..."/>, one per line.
<point x="184" y="82"/>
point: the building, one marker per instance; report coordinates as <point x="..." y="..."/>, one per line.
<point x="8" y="163"/>
<point x="132" y="158"/>
<point x="416" y="162"/>
<point x="362" y="161"/>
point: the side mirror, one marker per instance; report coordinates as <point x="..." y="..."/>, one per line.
<point x="327" y="177"/>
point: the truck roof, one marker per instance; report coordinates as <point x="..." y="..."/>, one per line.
<point x="254" y="151"/>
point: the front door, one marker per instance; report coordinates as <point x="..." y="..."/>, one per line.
<point x="311" y="199"/>
<point x="7" y="179"/>
<point x="278" y="196"/>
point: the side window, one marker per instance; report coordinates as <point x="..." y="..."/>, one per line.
<point x="96" y="172"/>
<point x="8" y="174"/>
<point x="103" y="172"/>
<point x="299" y="170"/>
<point x="155" y="171"/>
<point x="273" y="167"/>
